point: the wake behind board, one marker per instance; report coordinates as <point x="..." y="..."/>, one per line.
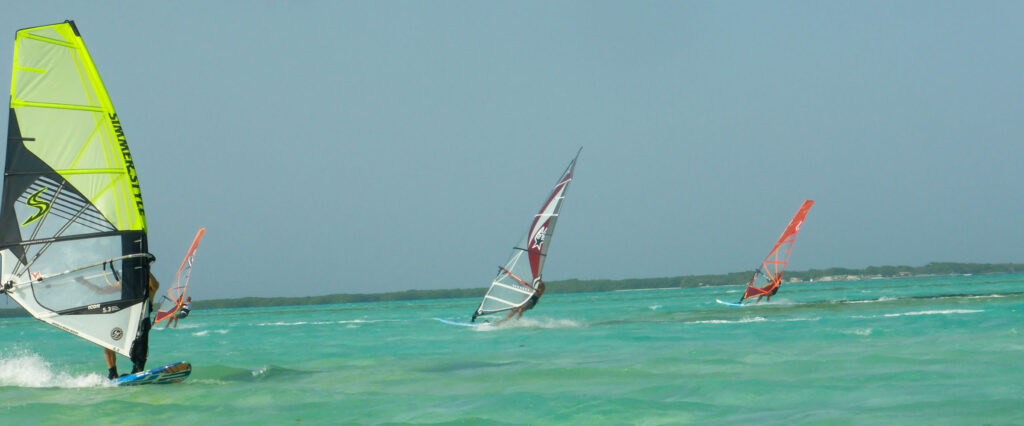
<point x="460" y="323"/>
<point x="729" y="303"/>
<point x="172" y="373"/>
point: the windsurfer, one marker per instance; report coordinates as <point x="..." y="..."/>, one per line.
<point x="769" y="291"/>
<point x="182" y="313"/>
<point x="140" y="348"/>
<point x="530" y="303"/>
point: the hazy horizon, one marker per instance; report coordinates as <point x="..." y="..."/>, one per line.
<point x="348" y="147"/>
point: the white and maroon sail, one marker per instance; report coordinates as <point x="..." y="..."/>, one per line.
<point x="517" y="279"/>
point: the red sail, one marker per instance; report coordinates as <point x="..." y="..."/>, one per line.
<point x="768" y="277"/>
<point x="175" y="296"/>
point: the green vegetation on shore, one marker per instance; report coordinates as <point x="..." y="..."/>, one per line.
<point x="590" y="286"/>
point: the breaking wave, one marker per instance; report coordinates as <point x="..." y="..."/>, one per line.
<point x="32" y="371"/>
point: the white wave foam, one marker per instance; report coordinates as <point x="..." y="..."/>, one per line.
<point x="985" y="296"/>
<point x="942" y="312"/>
<point x="752" y="319"/>
<point x="281" y="323"/>
<point x="860" y="332"/>
<point x="797" y="319"/>
<point x="880" y="299"/>
<point x="739" y="321"/>
<point x="31" y="371"/>
<point x="206" y="332"/>
<point x="654" y="307"/>
<point x="289" y="324"/>
<point x="546" y="323"/>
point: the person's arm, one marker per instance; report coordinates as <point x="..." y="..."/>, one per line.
<point x="154" y="286"/>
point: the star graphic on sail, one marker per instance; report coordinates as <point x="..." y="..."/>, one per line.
<point x="538" y="238"/>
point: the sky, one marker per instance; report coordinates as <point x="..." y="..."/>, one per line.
<point x="361" y="147"/>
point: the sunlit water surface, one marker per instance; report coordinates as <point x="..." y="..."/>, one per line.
<point x="907" y="351"/>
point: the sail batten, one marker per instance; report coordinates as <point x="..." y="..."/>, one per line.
<point x="73" y="245"/>
<point x="56" y="106"/>
<point x="517" y="279"/>
<point x="527" y="293"/>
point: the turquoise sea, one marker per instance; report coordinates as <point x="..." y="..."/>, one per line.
<point x="942" y="350"/>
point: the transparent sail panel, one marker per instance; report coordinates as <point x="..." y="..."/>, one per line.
<point x="73" y="274"/>
<point x="513" y="285"/>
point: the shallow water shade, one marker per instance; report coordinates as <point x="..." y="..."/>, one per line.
<point x="916" y="350"/>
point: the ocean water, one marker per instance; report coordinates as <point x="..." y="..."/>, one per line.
<point x="943" y="350"/>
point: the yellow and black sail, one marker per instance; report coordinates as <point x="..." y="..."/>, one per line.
<point x="72" y="222"/>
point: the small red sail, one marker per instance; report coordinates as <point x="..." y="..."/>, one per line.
<point x="175" y="296"/>
<point x="768" y="276"/>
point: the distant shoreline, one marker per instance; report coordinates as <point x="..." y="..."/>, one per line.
<point x="636" y="284"/>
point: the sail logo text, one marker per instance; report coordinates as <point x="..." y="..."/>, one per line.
<point x="129" y="165"/>
<point x="43" y="206"/>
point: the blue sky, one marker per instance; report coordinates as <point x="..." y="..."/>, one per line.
<point x="348" y="147"/>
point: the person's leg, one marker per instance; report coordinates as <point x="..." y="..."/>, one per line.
<point x="111" y="359"/>
<point x="140" y="348"/>
<point x="510" y="313"/>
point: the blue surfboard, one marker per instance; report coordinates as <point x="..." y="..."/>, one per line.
<point x="172" y="373"/>
<point x="729" y="303"/>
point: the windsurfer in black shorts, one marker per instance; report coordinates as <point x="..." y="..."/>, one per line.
<point x="140" y="348"/>
<point x="530" y="303"/>
<point x="769" y="294"/>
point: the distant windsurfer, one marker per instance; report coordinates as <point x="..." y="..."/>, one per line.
<point x="140" y="348"/>
<point x="182" y="313"/>
<point x="768" y="294"/>
<point x="530" y="303"/>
